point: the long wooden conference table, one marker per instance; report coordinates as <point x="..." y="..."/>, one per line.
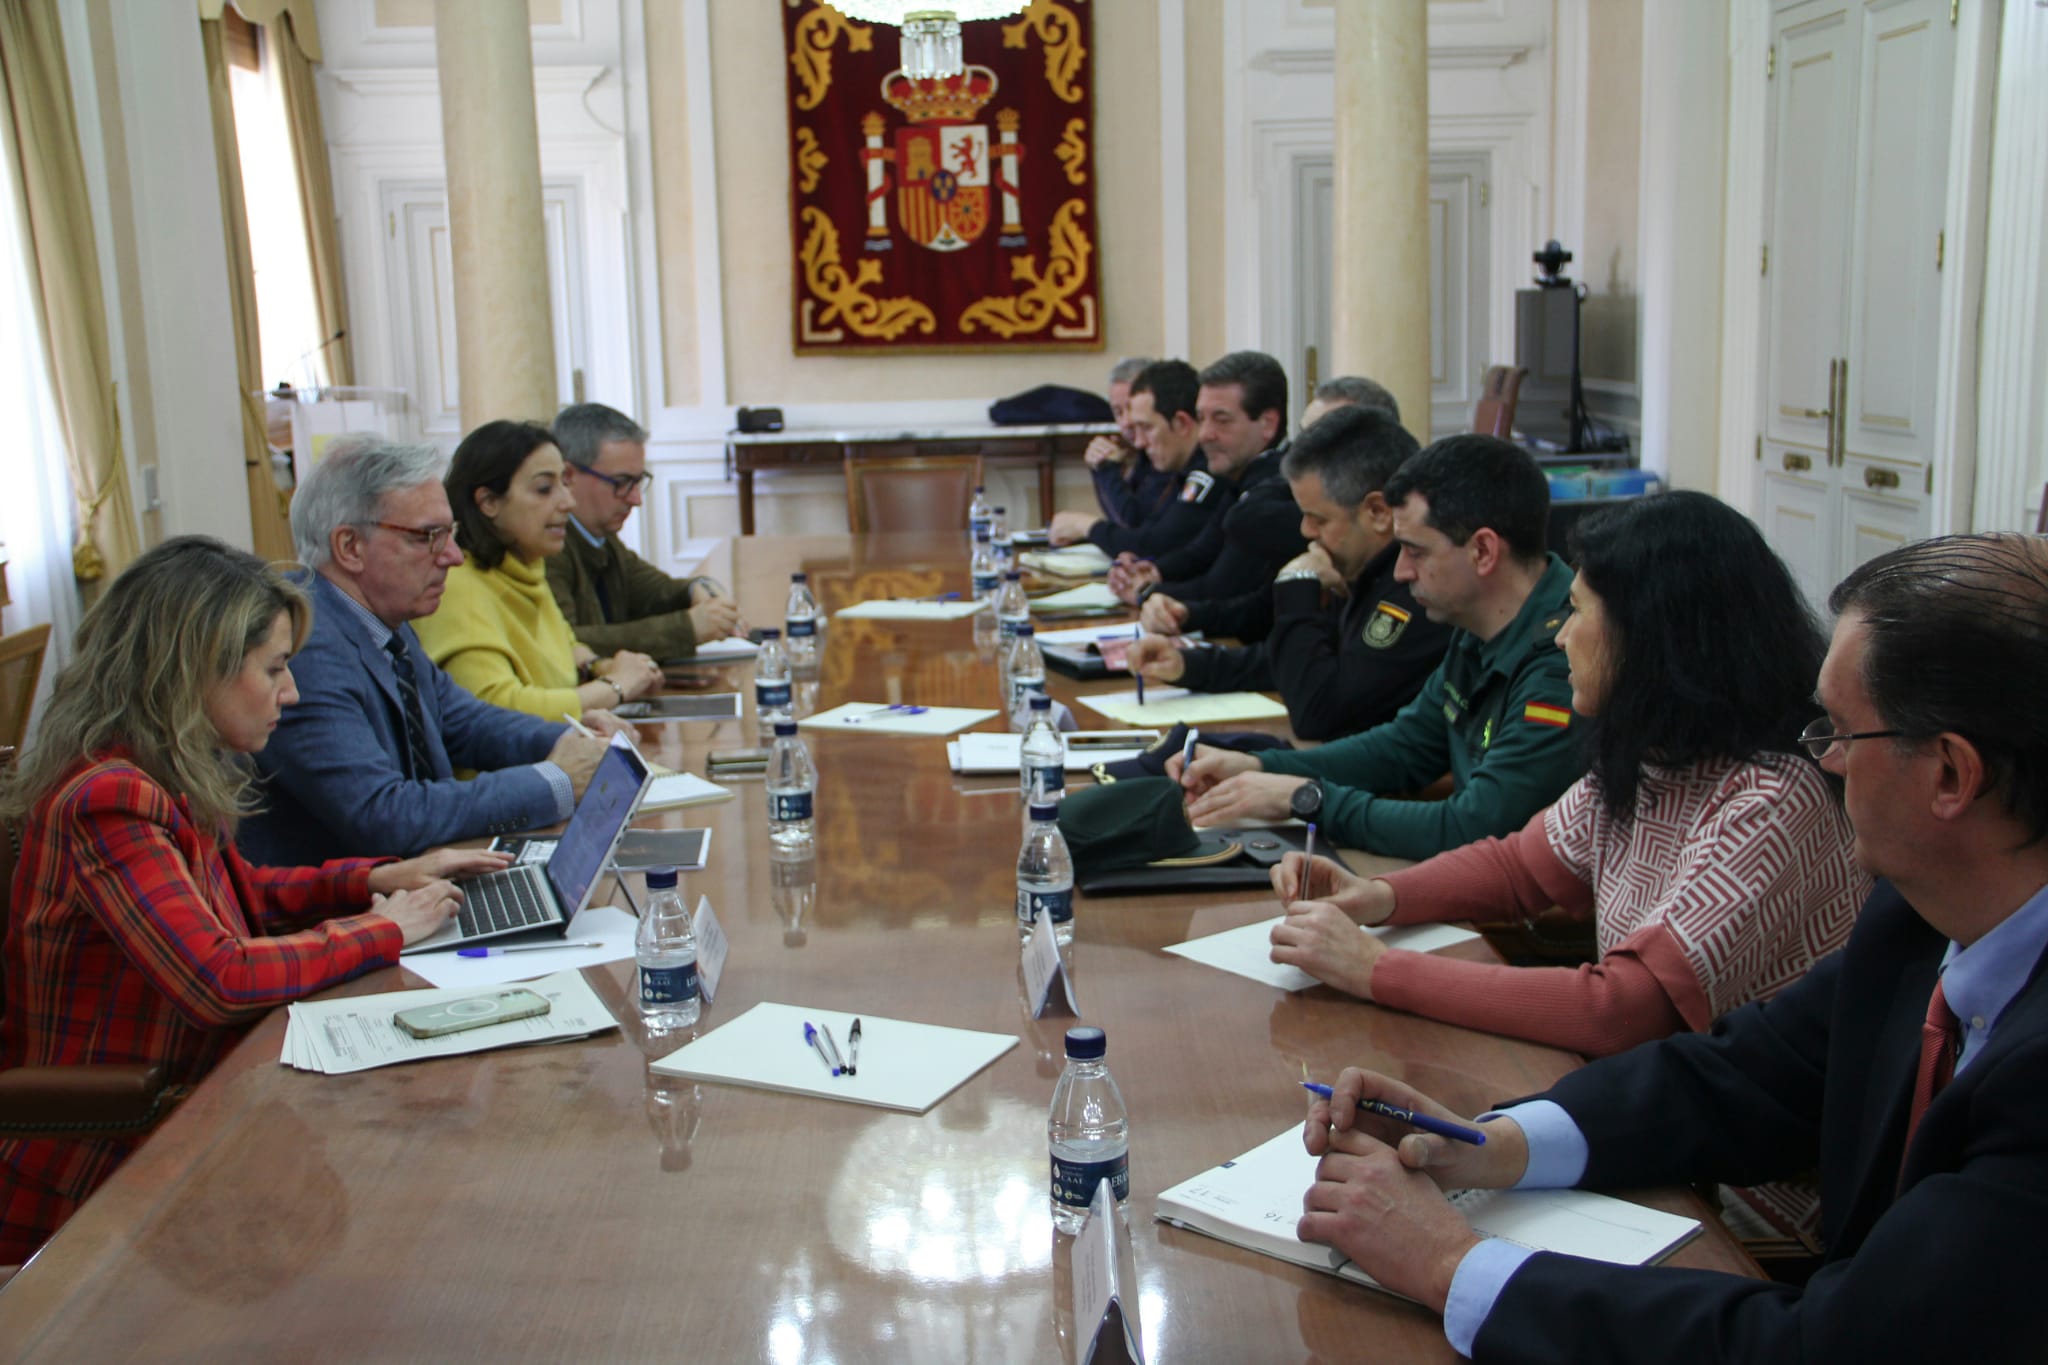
<point x="564" y="1203"/>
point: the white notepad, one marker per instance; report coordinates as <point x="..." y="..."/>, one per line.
<point x="980" y="752"/>
<point x="672" y="789"/>
<point x="611" y="928"/>
<point x="1170" y="705"/>
<point x="1085" y="596"/>
<point x="893" y="609"/>
<point x="1248" y="949"/>
<point x="730" y="647"/>
<point x="1071" y="561"/>
<point x="879" y="718"/>
<point x="1255" y="1201"/>
<point x="902" y="1065"/>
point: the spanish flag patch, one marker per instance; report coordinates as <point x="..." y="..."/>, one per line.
<point x="1545" y="713"/>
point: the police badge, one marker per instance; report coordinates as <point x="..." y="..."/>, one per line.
<point x="1385" y="626"/>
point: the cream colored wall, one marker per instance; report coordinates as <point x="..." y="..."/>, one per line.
<point x="1208" y="336"/>
<point x="1608" y="260"/>
<point x="754" y="230"/>
<point x="674" y="210"/>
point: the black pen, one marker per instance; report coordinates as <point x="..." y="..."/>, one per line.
<point x="852" y="1046"/>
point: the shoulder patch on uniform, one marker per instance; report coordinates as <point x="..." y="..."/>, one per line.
<point x="1552" y="625"/>
<point x="1197" y="486"/>
<point x="1548" y="713"/>
<point x="1385" y="625"/>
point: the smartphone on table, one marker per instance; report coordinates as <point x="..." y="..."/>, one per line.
<point x="471" y="1011"/>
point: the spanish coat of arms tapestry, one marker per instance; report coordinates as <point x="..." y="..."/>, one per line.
<point x="943" y="215"/>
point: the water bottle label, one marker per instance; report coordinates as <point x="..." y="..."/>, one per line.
<point x="771" y="696"/>
<point x="1074" y="1182"/>
<point x="789" y="806"/>
<point x="1058" y="906"/>
<point x="1007" y="625"/>
<point x="668" y="985"/>
<point x="1023" y="689"/>
<point x="985" y="583"/>
<point x="798" y="627"/>
<point x="1050" y="778"/>
<point x="975" y="526"/>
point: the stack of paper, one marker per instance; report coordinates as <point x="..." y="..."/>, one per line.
<point x="356" y="1033"/>
<point x="902" y="1065"/>
<point x="713" y="651"/>
<point x="1074" y="561"/>
<point x="910" y="609"/>
<point x="1248" y="949"/>
<point x="1169" y="705"/>
<point x="982" y="752"/>
<point x="1255" y="1201"/>
<point x="670" y="789"/>
<point x="878" y="718"/>
<point x="1087" y="597"/>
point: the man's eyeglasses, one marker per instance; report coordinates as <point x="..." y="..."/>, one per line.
<point x="429" y="538"/>
<point x="622" y="484"/>
<point x="1819" y="740"/>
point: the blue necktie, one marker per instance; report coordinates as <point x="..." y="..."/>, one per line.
<point x="409" y="698"/>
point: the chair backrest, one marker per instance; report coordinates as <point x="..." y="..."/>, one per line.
<point x="915" y="493"/>
<point x="21" y="664"/>
<point x="1499" y="390"/>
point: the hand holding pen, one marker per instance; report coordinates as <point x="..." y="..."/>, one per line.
<point x="1358" y="1106"/>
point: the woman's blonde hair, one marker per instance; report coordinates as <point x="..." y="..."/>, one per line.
<point x="176" y="624"/>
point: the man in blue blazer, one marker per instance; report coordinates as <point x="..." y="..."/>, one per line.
<point x="365" y="762"/>
<point x="1910" y="1068"/>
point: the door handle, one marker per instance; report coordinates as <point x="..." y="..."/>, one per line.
<point x="1873" y="477"/>
<point x="1797" y="464"/>
<point x="1838" y="399"/>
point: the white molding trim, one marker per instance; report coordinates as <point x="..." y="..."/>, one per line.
<point x="1241" y="194"/>
<point x="1173" y="175"/>
<point x="1958" y="385"/>
<point x="1742" y="237"/>
<point x="1657" y="215"/>
<point x="643" y="250"/>
<point x="705" y="254"/>
<point x="1569" y="114"/>
<point x="1297" y="61"/>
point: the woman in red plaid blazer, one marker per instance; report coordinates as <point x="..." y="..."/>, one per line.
<point x="137" y="933"/>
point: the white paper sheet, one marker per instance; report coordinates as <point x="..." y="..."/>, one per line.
<point x="1170" y="705"/>
<point x="607" y="925"/>
<point x="903" y="1065"/>
<point x="355" y="1033"/>
<point x="680" y="789"/>
<point x="982" y="752"/>
<point x="1248" y="949"/>
<point x="1044" y="969"/>
<point x="731" y="647"/>
<point x="1069" y="561"/>
<point x="891" y="609"/>
<point x="1107" y="1331"/>
<point x="1087" y="595"/>
<point x="878" y="718"/>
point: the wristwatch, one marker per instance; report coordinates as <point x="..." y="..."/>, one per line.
<point x="1306" y="801"/>
<point x="1297" y="575"/>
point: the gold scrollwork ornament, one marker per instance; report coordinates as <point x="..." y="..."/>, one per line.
<point x="816" y="35"/>
<point x="846" y="297"/>
<point x="1057" y="28"/>
<point x="1047" y="297"/>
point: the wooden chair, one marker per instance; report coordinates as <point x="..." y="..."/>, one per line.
<point x="914" y="493"/>
<point x="1498" y="392"/>
<point x="21" y="664"/>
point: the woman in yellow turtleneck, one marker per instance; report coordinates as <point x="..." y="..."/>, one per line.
<point x="498" y="631"/>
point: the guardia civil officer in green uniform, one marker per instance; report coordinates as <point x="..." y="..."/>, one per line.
<point x="1469" y="516"/>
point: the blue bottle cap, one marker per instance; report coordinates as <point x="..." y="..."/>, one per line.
<point x="1046" y="811"/>
<point x="799" y="577"/>
<point x="1040" y="702"/>
<point x="661" y="879"/>
<point x="1026" y="628"/>
<point x="1013" y="574"/>
<point x="1086" y="1044"/>
<point x="771" y="633"/>
<point x="784" y="727"/>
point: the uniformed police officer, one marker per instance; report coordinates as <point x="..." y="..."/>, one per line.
<point x="1470" y="514"/>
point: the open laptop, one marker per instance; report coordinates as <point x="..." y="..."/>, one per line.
<point x="546" y="896"/>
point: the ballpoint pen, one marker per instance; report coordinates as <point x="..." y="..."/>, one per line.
<point x="839" y="1068"/>
<point x="1309" y="857"/>
<point x="853" y="1047"/>
<point x="579" y="726"/>
<point x="899" y="709"/>
<point x="818" y="1046"/>
<point x="1187" y="750"/>
<point x="525" y="948"/>
<point x="1137" y="634"/>
<point x="1457" y="1132"/>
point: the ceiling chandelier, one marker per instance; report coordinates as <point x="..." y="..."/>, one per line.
<point x="931" y="35"/>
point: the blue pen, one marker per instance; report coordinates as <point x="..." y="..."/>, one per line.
<point x="818" y="1046"/>
<point x="899" y="709"/>
<point x="1137" y="634"/>
<point x="524" y="948"/>
<point x="1187" y="750"/>
<point x="1457" y="1132"/>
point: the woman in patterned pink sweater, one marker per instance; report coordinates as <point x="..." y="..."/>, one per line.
<point x="1714" y="857"/>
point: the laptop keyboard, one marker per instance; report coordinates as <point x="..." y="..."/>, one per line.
<point x="509" y="899"/>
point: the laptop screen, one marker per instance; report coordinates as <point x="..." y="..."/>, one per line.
<point x="606" y="806"/>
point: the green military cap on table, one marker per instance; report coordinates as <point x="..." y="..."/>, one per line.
<point x="1137" y="822"/>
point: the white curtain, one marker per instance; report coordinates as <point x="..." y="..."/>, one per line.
<point x="36" y="518"/>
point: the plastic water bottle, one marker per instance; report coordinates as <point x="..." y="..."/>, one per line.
<point x="1042" y="759"/>
<point x="1088" y="1130"/>
<point x="800" y="619"/>
<point x="1013" y="608"/>
<point x="978" y="514"/>
<point x="771" y="679"/>
<point x="1045" y="875"/>
<point x="999" y="535"/>
<point x="981" y="570"/>
<point x="1026" y="674"/>
<point x="665" y="950"/>
<point x="792" y="783"/>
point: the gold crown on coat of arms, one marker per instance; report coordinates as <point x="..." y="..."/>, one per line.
<point x="953" y="99"/>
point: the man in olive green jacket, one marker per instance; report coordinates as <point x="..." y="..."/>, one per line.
<point x="613" y="598"/>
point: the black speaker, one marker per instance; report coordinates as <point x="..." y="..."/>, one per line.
<point x="758" y="419"/>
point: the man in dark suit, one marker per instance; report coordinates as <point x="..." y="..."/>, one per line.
<point x="365" y="762"/>
<point x="1911" y="1067"/>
